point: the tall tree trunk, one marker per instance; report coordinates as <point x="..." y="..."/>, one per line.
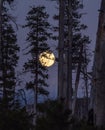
<point x="69" y="57"/>
<point x="36" y="80"/>
<point x="99" y="70"/>
<point x="65" y="56"/>
<point x="1" y="3"/>
<point x="77" y="83"/>
<point x="61" y="49"/>
<point x="86" y="85"/>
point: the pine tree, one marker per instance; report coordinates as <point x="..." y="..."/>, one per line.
<point x="11" y="115"/>
<point x="8" y="60"/>
<point x="37" y="38"/>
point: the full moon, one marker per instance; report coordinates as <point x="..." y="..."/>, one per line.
<point x="47" y="58"/>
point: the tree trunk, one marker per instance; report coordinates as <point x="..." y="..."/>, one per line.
<point x="65" y="56"/>
<point x="1" y="2"/>
<point x="77" y="83"/>
<point x="61" y="49"/>
<point x="69" y="57"/>
<point x="99" y="70"/>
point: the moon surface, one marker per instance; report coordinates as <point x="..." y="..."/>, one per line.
<point x="47" y="58"/>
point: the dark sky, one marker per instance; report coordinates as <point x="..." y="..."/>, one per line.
<point x="90" y="19"/>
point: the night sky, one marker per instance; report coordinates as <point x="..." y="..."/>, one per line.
<point x="90" y="19"/>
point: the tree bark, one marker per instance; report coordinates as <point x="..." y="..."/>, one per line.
<point x="99" y="70"/>
<point x="69" y="57"/>
<point x="60" y="50"/>
<point x="77" y="83"/>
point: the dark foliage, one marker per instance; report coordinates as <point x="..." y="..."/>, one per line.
<point x="37" y="38"/>
<point x="8" y="60"/>
<point x="16" y="119"/>
<point x="53" y="116"/>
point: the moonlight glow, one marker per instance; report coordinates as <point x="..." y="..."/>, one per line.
<point x="47" y="58"/>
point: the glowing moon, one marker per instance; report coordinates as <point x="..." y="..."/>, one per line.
<point x="47" y="58"/>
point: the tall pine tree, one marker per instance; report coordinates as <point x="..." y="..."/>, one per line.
<point x="37" y="38"/>
<point x="8" y="59"/>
